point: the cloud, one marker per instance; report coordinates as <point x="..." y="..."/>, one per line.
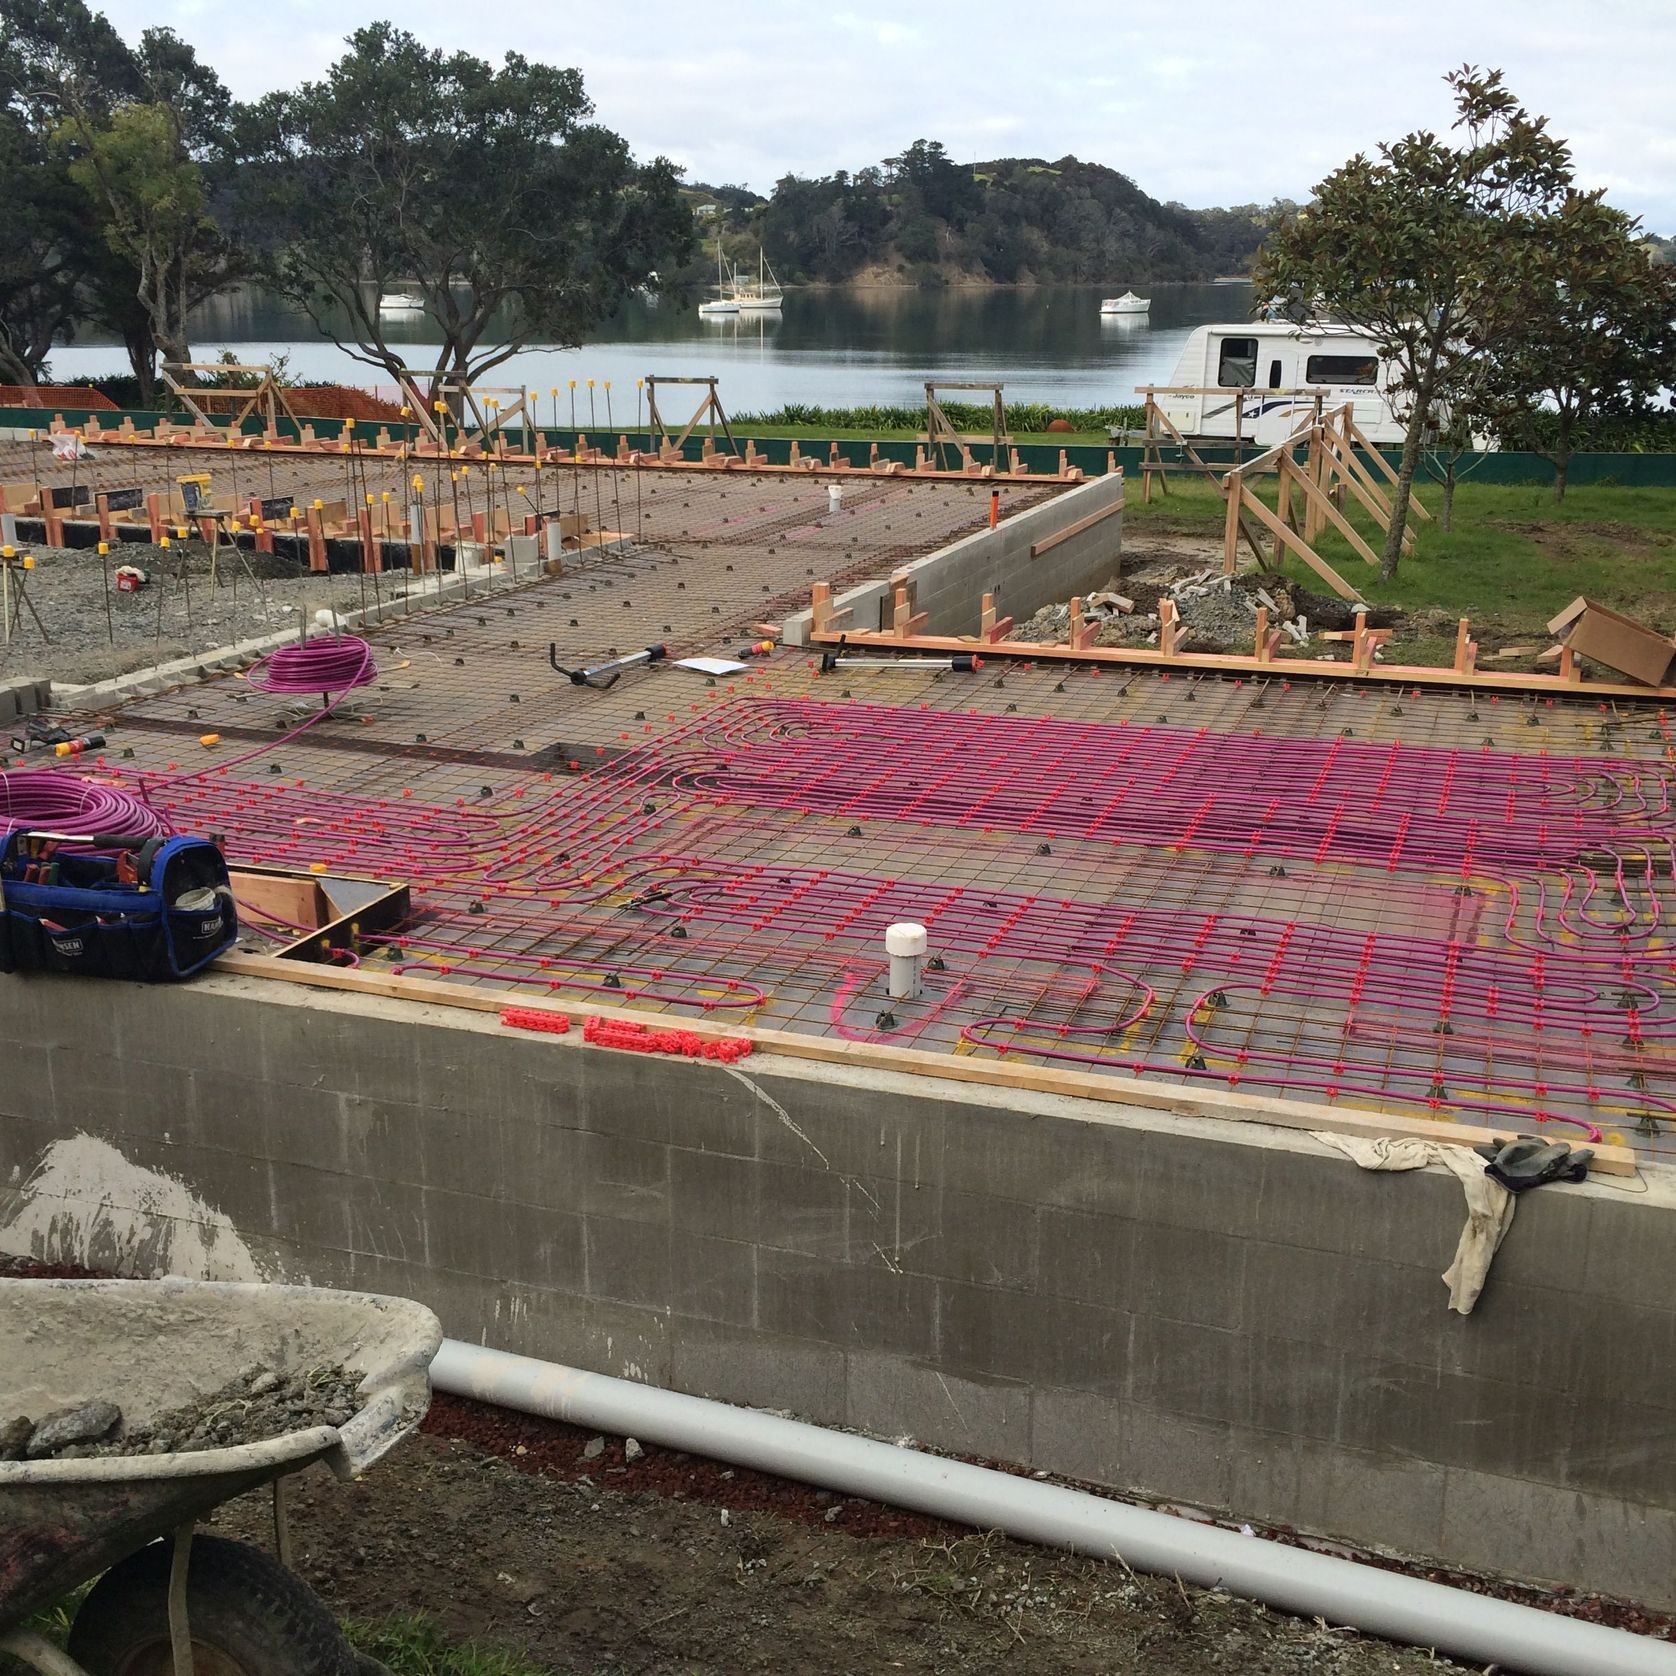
<point x="1219" y="105"/>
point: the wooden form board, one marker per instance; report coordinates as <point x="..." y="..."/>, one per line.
<point x="995" y="1073"/>
<point x="174" y="437"/>
<point x="826" y="630"/>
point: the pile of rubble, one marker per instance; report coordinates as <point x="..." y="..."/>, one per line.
<point x="257" y="1405"/>
<point x="1218" y="613"/>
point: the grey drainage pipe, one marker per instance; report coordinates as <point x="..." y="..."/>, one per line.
<point x="1312" y="1585"/>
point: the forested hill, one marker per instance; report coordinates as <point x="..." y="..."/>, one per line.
<point x="922" y="218"/>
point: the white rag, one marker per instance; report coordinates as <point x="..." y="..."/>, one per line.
<point x="1489" y="1204"/>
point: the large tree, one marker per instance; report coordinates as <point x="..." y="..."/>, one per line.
<point x="142" y="132"/>
<point x="42" y="253"/>
<point x="487" y="190"/>
<point x="1582" y="331"/>
<point x="1412" y="244"/>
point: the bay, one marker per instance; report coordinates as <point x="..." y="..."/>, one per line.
<point x="826" y="348"/>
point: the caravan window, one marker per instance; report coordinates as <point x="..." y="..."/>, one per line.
<point x="1342" y="369"/>
<point x="1236" y="369"/>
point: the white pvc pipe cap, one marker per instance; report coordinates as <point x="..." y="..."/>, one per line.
<point x="905" y="938"/>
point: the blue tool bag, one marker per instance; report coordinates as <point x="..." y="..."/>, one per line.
<point x="152" y="909"/>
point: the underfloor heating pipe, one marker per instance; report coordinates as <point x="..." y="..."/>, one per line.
<point x="1384" y="1603"/>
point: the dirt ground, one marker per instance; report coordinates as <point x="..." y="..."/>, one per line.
<point x="584" y="1574"/>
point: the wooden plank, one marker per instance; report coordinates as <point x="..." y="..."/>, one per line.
<point x="1301" y="547"/>
<point x="1323" y="506"/>
<point x="1115" y="1089"/>
<point x="1325" y="669"/>
<point x="1048" y="543"/>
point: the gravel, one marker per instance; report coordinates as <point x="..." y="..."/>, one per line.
<point x="67" y="589"/>
<point x="259" y="1404"/>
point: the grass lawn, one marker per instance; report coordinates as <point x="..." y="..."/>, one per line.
<point x="1511" y="561"/>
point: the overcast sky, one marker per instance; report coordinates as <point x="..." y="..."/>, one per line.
<point x="1212" y="103"/>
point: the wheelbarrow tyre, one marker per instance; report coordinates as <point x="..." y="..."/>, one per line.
<point x="261" y="1619"/>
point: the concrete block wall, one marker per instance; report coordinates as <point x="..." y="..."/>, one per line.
<point x="1233" y="1318"/>
<point x="950" y="583"/>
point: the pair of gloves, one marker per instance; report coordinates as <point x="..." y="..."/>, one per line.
<point x="1528" y="1162"/>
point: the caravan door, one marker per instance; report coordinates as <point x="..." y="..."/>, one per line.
<point x="1246" y="362"/>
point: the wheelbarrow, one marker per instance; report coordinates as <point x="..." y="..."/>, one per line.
<point x="166" y="1604"/>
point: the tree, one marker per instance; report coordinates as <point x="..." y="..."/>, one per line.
<point x="142" y="132"/>
<point x="41" y="254"/>
<point x="488" y="190"/>
<point x="1410" y="246"/>
<point x="1583" y="331"/>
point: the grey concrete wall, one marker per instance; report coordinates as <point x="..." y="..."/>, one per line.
<point x="1234" y="1318"/>
<point x="950" y="583"/>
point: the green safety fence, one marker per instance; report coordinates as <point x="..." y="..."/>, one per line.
<point x="1633" y="471"/>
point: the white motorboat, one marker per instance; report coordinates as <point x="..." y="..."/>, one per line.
<point x="763" y="296"/>
<point x="400" y="302"/>
<point x="1128" y="303"/>
<point x="726" y="300"/>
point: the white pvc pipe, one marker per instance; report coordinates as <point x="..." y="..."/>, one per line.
<point x="1384" y="1603"/>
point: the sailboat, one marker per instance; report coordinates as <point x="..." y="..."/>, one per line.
<point x="765" y="294"/>
<point x="725" y="301"/>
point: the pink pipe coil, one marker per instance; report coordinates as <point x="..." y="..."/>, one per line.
<point x="330" y="664"/>
<point x="44" y="800"/>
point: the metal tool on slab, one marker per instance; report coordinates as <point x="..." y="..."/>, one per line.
<point x="603" y="675"/>
<point x="962" y="663"/>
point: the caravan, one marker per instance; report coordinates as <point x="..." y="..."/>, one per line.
<point x="1339" y="363"/>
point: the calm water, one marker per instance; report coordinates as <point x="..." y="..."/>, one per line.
<point x="827" y="348"/>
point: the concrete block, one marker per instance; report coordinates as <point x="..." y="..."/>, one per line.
<point x="718" y="1113"/>
<point x="1180" y="1459"/>
<point x="386" y="1220"/>
<point x="1295" y="1389"/>
<point x="504" y="1240"/>
<point x="1453" y="1419"/>
<point x="1181" y="1368"/>
<point x="1324" y="1202"/>
<point x="1332" y="1298"/>
<point x="604" y="1337"/>
<point x="638" y="1096"/>
<point x="712" y="1194"/>
<point x="1536" y="1335"/>
<point x="769" y="1204"/>
<point x="1080" y="1434"/>
<point x="627" y="1261"/>
<point x="1386" y="1501"/>
<point x="965" y="1236"/>
<point x="26" y="1089"/>
<point x="894" y="1397"/>
<point x="1017" y="1155"/>
<point x="98" y="1091"/>
<point x="1616" y="1448"/>
<point x="314" y="1047"/>
<point x="989" y="1331"/>
<point x="1178" y="1178"/>
<point x="1548" y="1243"/>
<point x="290" y="1125"/>
<point x="309" y="1208"/>
<point x="1549" y="1535"/>
<point x="712" y="1280"/>
<point x="623" y="1178"/>
<point x="1622" y="1355"/>
<point x="1631" y="1250"/>
<point x="1147" y="1268"/>
<point x="900" y="1139"/>
<point x="805" y="1297"/>
<point x="738" y="1365"/>
<point x="1277" y="1479"/>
